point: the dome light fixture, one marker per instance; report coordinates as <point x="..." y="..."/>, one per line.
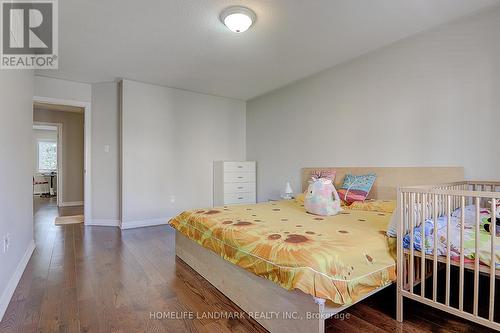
<point x="238" y="18"/>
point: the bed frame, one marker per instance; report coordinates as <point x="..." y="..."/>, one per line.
<point x="295" y="311"/>
<point x="431" y="202"/>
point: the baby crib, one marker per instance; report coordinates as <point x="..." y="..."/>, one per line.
<point x="444" y="250"/>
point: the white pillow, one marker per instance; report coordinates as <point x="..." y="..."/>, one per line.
<point x="392" y="227"/>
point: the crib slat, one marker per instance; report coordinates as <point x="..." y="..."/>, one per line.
<point x="435" y="261"/>
<point x="476" y="258"/>
<point x="400" y="235"/>
<point x="461" y="281"/>
<point x="448" y="252"/>
<point x="403" y="234"/>
<point x="400" y="251"/>
<point x="422" y="252"/>
<point x="493" y="232"/>
<point x="412" y="207"/>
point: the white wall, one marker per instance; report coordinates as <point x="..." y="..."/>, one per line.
<point x="430" y="100"/>
<point x="62" y="89"/>
<point x="170" y="139"/>
<point x="105" y="164"/>
<point x="16" y="201"/>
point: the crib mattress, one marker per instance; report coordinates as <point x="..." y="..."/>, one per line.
<point x="469" y="249"/>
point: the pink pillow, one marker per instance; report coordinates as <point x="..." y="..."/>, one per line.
<point x="328" y="174"/>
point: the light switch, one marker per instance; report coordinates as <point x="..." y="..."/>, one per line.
<point x="106" y="148"/>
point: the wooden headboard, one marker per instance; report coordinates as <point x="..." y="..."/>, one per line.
<point x="390" y="178"/>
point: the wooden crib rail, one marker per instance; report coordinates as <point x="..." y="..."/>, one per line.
<point x="471" y="185"/>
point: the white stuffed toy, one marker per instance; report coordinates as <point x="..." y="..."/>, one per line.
<point x="322" y="198"/>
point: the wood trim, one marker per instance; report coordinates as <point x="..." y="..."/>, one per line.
<point x="390" y="178"/>
<point x="103" y="222"/>
<point x="130" y="224"/>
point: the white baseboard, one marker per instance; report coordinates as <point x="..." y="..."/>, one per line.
<point x="103" y="222"/>
<point x="144" y="223"/>
<point x="71" y="203"/>
<point x="14" y="280"/>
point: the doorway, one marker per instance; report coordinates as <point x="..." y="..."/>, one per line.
<point x="62" y="155"/>
<point x="47" y="168"/>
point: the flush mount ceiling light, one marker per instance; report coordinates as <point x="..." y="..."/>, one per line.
<point x="237" y="18"/>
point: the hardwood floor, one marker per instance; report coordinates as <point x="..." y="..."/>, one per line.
<point x="101" y="279"/>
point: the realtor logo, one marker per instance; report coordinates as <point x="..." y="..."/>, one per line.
<point x="29" y="34"/>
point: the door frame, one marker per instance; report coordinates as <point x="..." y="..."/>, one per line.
<point x="60" y="160"/>
<point x="87" y="175"/>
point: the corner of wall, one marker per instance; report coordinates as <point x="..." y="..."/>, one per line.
<point x="14" y="280"/>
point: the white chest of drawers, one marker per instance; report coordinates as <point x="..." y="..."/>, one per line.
<point x="234" y="183"/>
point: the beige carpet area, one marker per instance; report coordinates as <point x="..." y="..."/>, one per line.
<point x="69" y="220"/>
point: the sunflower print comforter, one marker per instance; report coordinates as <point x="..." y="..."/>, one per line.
<point x="340" y="258"/>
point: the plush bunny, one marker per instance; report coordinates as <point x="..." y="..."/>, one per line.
<point x="322" y="198"/>
<point x="487" y="226"/>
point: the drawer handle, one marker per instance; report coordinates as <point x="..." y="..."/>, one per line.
<point x="240" y="198"/>
<point x="240" y="166"/>
<point x="240" y="187"/>
<point x="240" y="177"/>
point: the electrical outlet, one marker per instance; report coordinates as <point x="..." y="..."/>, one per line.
<point x="6" y="243"/>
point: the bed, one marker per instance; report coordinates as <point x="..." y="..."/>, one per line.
<point x="451" y="221"/>
<point x="273" y="257"/>
<point x="339" y="258"/>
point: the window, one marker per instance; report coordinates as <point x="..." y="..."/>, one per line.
<point x="47" y="156"/>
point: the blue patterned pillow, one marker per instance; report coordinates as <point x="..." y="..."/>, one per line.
<point x="356" y="188"/>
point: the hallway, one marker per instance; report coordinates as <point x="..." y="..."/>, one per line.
<point x="100" y="279"/>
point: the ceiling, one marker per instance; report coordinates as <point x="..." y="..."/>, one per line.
<point x="182" y="44"/>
